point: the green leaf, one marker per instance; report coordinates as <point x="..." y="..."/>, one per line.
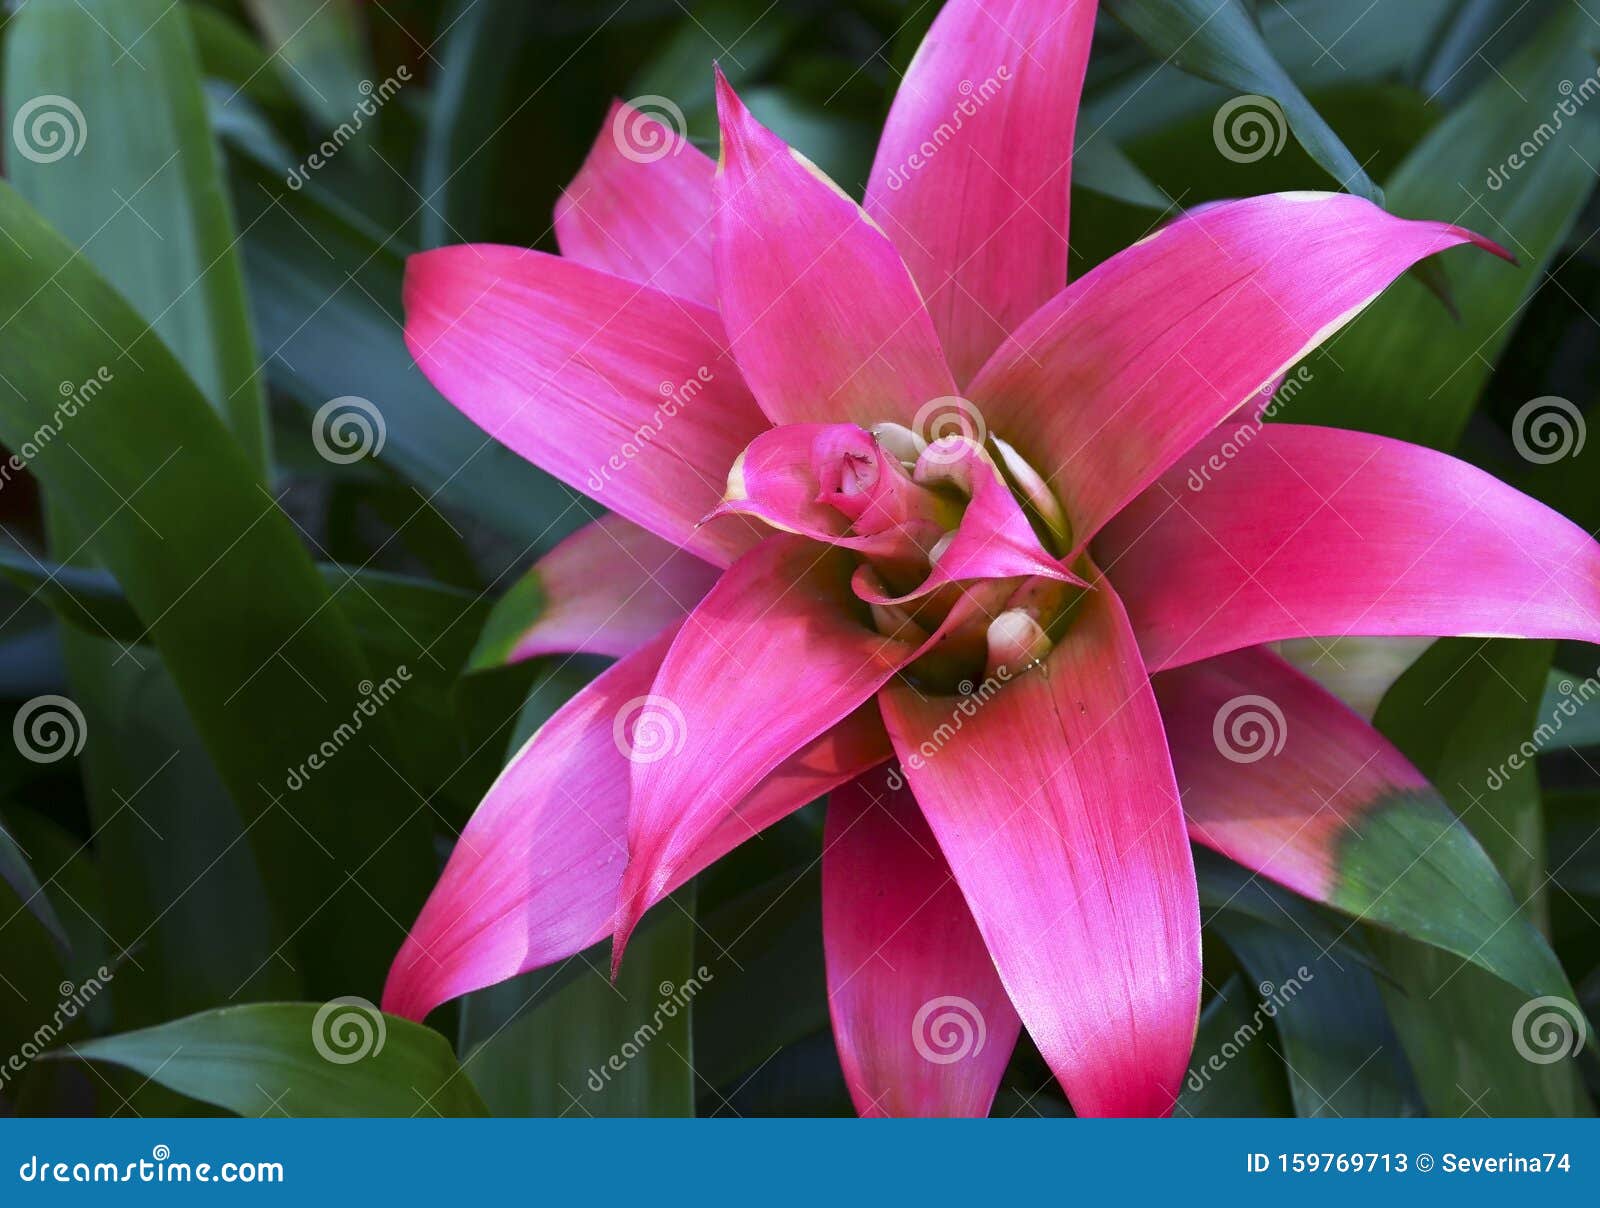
<point x="267" y="669"/>
<point x="318" y="50"/>
<point x="1402" y="369"/>
<point x="141" y="192"/>
<point x="1458" y="714"/>
<point x="230" y="54"/>
<point x="1219" y="41"/>
<point x="1235" y="1071"/>
<point x="143" y="196"/>
<point x="512" y="615"/>
<point x="390" y="613"/>
<point x="592" y="1047"/>
<point x="478" y="57"/>
<point x="326" y="293"/>
<point x="342" y="1058"/>
<point x="1339" y="1047"/>
<point x="1099" y="164"/>
<point x="1569" y="714"/>
<point x="1298" y="33"/>
<point x="17" y="873"/>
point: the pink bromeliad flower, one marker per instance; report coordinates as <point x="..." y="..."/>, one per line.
<point x="887" y="488"/>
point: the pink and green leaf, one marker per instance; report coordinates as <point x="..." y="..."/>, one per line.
<point x="607" y="589"/>
<point x="1283" y="778"/>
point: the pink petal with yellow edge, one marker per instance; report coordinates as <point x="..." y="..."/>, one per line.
<point x="821" y="311"/>
<point x="776" y="654"/>
<point x="1292" y="531"/>
<point x="534" y="877"/>
<point x="982" y="219"/>
<point x="640" y="207"/>
<point x="1054" y="802"/>
<point x="922" y="1023"/>
<point x="607" y="589"/>
<point x="620" y="391"/>
<point x="1112" y="381"/>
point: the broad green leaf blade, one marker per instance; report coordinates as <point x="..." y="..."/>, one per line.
<point x="1340" y="1049"/>
<point x="141" y="193"/>
<point x="1403" y="369"/>
<point x="1099" y="164"/>
<point x="1218" y="41"/>
<point x="1386" y="40"/>
<point x="1228" y="889"/>
<point x="389" y="612"/>
<point x="230" y="53"/>
<point x="267" y="669"/>
<point x="596" y="1048"/>
<point x="319" y="53"/>
<point x="1457" y="714"/>
<point x="1235" y="1070"/>
<point x="140" y="189"/>
<point x="184" y="892"/>
<point x="1569" y="714"/>
<point x="477" y="57"/>
<point x="326" y="294"/>
<point x="16" y="872"/>
<point x="340" y="1058"/>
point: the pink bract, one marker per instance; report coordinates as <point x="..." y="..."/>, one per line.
<point x="945" y="499"/>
